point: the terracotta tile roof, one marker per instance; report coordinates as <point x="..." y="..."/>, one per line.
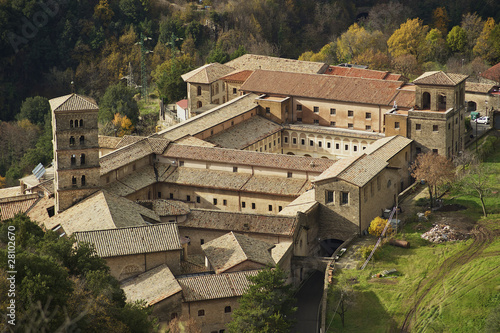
<point x="474" y="87"/>
<point x="492" y="73"/>
<point x="387" y="148"/>
<point x="108" y="141"/>
<point x="157" y="144"/>
<point x="211" y="118"/>
<point x="254" y="62"/>
<point x="73" y="102"/>
<point x="207" y="74"/>
<point x="363" y="73"/>
<point x="245" y="133"/>
<point x="152" y="286"/>
<point x="279" y="250"/>
<point x="133" y="240"/>
<point x="440" y="78"/>
<point x="102" y="210"/>
<point x="214" y="286"/>
<point x="245" y="157"/>
<point x="276" y="185"/>
<point x="10" y="191"/>
<point x="193" y="141"/>
<point x="232" y="249"/>
<point x="357" y="170"/>
<point x="405" y="99"/>
<point x="38" y="212"/>
<point x="327" y="87"/>
<point x="304" y="202"/>
<point x="9" y="207"/>
<point x="164" y="207"/>
<point x="238" y="76"/>
<point x="240" y="222"/>
<point x="183" y="103"/>
<point x="127" y="140"/>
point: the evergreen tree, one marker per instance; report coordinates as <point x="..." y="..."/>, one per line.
<point x="267" y="306"/>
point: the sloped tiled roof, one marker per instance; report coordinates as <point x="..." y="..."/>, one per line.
<point x="363" y="73"/>
<point x="276" y="185"/>
<point x="245" y="133"/>
<point x="207" y="73"/>
<point x="210" y="118"/>
<point x="102" y="210"/>
<point x="190" y="140"/>
<point x="152" y="286"/>
<point x="475" y="87"/>
<point x="358" y="171"/>
<point x="302" y="203"/>
<point x="132" y="240"/>
<point x="232" y="249"/>
<point x="492" y="73"/>
<point x="214" y="286"/>
<point x="240" y="222"/>
<point x="245" y="157"/>
<point x="327" y="87"/>
<point x="440" y="78"/>
<point x="386" y="148"/>
<point x="72" y="102"/>
<point x="158" y="145"/>
<point x="108" y="141"/>
<point x="183" y="103"/>
<point x="164" y="207"/>
<point x="254" y="62"/>
<point x="238" y="76"/>
<point x="9" y="207"/>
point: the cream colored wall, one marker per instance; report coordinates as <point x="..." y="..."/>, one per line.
<point x="270" y="144"/>
<point x="215" y="319"/>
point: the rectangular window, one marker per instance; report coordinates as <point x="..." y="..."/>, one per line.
<point x="268" y="110"/>
<point x="396" y="124"/>
<point x="274" y="143"/>
<point x="449" y="126"/>
<point x="202" y="241"/>
<point x="350" y="113"/>
<point x="333" y="111"/>
<point x="320" y="144"/>
<point x="299" y="107"/>
<point x="294" y="141"/>
<point x="418" y="127"/>
<point x="332" y="123"/>
<point x="234" y="91"/>
<point x="188" y="198"/>
<point x="302" y="141"/>
<point x="253" y="205"/>
<point x="159" y="195"/>
<point x="270" y="208"/>
<point x="198" y="199"/>
<point x="224" y="202"/>
<point x="215" y="201"/>
<point x="346" y="147"/>
<point x="299" y="120"/>
<point x="337" y="146"/>
<point x="316" y="109"/>
<point x="235" y="169"/>
<point x="344" y="198"/>
<point x="435" y="151"/>
<point x="355" y="148"/>
<point x="435" y="128"/>
<point x="329" y="196"/>
<point x="289" y="174"/>
<point x="181" y="163"/>
<point x="368" y="115"/>
<point x="286" y="139"/>
<point x="328" y="145"/>
<point x="243" y="204"/>
<point x="171" y="195"/>
<point x="280" y="208"/>
<point x="351" y="126"/>
<point x="316" y="121"/>
<point x="368" y="127"/>
<point x="311" y="143"/>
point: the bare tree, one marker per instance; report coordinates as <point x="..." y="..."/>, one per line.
<point x="435" y="169"/>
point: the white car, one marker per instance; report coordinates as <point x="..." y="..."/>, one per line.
<point x="482" y="120"/>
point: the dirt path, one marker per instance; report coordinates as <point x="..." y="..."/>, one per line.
<point x="482" y="238"/>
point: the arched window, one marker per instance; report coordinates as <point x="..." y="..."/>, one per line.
<point x="73" y="181"/>
<point x="71" y="123"/>
<point x="227" y="309"/>
<point x="198" y="92"/>
<point x="199" y="104"/>
<point x="82" y="159"/>
<point x="71" y="141"/>
<point x="73" y="159"/>
<point x="82" y="140"/>
<point x="81" y="122"/>
<point x="426" y="100"/>
<point x="76" y="123"/>
<point x="83" y="180"/>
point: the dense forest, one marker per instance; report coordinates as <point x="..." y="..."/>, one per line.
<point x="51" y="48"/>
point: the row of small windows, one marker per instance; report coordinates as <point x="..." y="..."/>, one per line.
<point x="74" y="181"/>
<point x="72" y="140"/>
<point x="333" y="111"/>
<point x="320" y="144"/>
<point x="76" y="123"/>
<point x="201" y="312"/>
<point x="330" y="197"/>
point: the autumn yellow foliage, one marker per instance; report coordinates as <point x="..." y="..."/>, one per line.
<point x="123" y="125"/>
<point x="377" y="225"/>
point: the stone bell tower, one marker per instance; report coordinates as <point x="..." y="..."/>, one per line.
<point x="76" y="149"/>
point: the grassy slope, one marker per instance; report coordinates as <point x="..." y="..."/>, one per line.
<point x="458" y="284"/>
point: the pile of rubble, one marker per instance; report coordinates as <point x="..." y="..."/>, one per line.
<point x="443" y="233"/>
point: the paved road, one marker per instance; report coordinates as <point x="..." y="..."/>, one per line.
<point x="308" y="300"/>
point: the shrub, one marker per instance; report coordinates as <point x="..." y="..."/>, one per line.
<point x="422" y="202"/>
<point x="377" y="225"/>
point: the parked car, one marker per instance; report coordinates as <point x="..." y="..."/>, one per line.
<point x="482" y="120"/>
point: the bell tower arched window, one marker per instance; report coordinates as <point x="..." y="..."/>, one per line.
<point x="73" y="181"/>
<point x="82" y="140"/>
<point x="82" y="159"/>
<point x="83" y="180"/>
<point x="71" y="123"/>
<point x="81" y="122"/>
<point x="426" y="100"/>
<point x="73" y="160"/>
<point x="76" y="123"/>
<point x="72" y="141"/>
<point x="198" y="91"/>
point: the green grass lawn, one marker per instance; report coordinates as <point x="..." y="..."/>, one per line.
<point x="456" y="285"/>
